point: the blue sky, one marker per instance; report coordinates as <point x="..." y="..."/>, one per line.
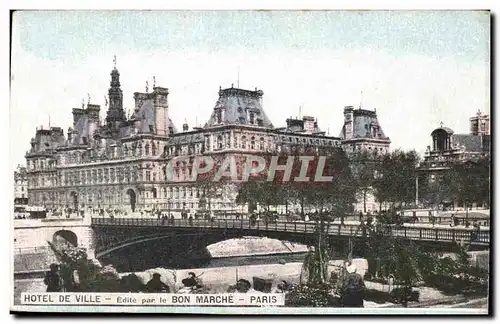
<point x="416" y="68"/>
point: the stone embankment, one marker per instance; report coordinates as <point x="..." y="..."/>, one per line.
<point x="253" y="246"/>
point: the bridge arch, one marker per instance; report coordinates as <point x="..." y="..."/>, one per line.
<point x="64" y="237"/>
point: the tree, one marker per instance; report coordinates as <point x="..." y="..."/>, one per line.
<point x="471" y="181"/>
<point x="395" y="178"/>
<point x="337" y="196"/>
<point x="364" y="165"/>
<point x="259" y="191"/>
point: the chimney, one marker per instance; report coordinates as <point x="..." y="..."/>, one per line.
<point x="77" y="113"/>
<point x="139" y="99"/>
<point x="93" y="111"/>
<point x="70" y="134"/>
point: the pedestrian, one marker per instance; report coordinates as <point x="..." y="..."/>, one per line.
<point x="243" y="286"/>
<point x="352" y="288"/>
<point x="53" y="279"/>
<point x="155" y="285"/>
<point x="282" y="287"/>
<point x="192" y="281"/>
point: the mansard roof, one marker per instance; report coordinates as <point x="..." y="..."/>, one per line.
<point x="236" y="106"/>
<point x="470" y="143"/>
<point x="84" y="130"/>
<point x="363" y="122"/>
<point x="145" y="118"/>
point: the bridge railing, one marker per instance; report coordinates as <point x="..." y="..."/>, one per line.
<point x="415" y="233"/>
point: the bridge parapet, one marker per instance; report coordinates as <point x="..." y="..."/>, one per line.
<point x="470" y="235"/>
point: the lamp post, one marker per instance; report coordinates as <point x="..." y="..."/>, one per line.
<point x="416" y="191"/>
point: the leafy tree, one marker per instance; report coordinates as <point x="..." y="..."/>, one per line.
<point x="395" y="178"/>
<point x="259" y="191"/>
<point x="363" y="166"/>
<point x="434" y="193"/>
<point x="471" y="180"/>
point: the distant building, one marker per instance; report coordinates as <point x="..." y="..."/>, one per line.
<point x="20" y="186"/>
<point x="448" y="147"/>
<point x="362" y="132"/>
<point x="480" y="124"/>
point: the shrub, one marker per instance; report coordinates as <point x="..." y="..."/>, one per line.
<point x="311" y="296"/>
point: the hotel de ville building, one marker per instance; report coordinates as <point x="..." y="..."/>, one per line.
<point x="119" y="164"/>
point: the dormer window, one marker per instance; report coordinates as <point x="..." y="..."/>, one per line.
<point x="252" y="118"/>
<point x="218" y="117"/>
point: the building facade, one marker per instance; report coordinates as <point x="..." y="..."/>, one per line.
<point x="480" y="124"/>
<point x="121" y="165"/>
<point x="20" y="186"/>
<point x="448" y="148"/>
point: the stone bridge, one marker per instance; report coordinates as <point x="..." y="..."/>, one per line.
<point x="33" y="234"/>
<point x="114" y="234"/>
<point x="102" y="236"/>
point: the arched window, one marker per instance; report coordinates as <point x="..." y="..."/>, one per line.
<point x="154" y="193"/>
<point x="146" y="149"/>
<point x="252" y="143"/>
<point x="261" y="146"/>
<point x="125" y="151"/>
<point x="165" y="150"/>
<point x="219" y="142"/>
<point x="153" y="149"/>
<point x="243" y="142"/>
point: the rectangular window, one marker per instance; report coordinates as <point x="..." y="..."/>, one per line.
<point x="148" y="175"/>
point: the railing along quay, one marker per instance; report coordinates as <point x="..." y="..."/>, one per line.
<point x="415" y="233"/>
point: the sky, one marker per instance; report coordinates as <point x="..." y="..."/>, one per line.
<point x="416" y="68"/>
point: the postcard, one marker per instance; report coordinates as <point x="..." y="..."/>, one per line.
<point x="250" y="162"/>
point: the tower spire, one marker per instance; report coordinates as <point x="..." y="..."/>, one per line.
<point x="115" y="114"/>
<point x="238" y="81"/>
